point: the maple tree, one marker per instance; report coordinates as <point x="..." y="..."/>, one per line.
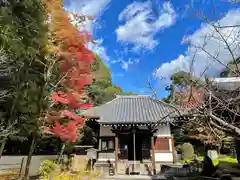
<point x="75" y="59"/>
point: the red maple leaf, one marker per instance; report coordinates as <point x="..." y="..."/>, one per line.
<point x="65" y="66"/>
<point x="60" y="97"/>
<point x="75" y="66"/>
<point x="67" y="132"/>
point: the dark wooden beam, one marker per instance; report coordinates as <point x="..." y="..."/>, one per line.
<point x="131" y="125"/>
<point x="128" y="129"/>
<point x="153" y="155"/>
<point x="116" y="153"/>
<point x="173" y="150"/>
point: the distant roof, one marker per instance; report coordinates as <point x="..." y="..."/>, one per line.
<point x="133" y="109"/>
<point x="229" y="83"/>
<point x="196" y="99"/>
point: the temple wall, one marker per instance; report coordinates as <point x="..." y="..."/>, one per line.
<point x="104" y="156"/>
<point x="166" y="156"/>
<point x="106" y="131"/>
<point x="164" y="131"/>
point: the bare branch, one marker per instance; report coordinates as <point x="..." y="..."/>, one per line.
<point x="224" y="123"/>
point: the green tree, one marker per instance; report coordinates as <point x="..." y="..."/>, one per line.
<point x="232" y="69"/>
<point x="183" y="79"/>
<point x="130" y="94"/>
<point x="23" y="39"/>
<point x="166" y="99"/>
<point x="102" y="89"/>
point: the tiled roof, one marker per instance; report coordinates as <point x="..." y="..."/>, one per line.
<point x="133" y="109"/>
<point x="229" y="83"/>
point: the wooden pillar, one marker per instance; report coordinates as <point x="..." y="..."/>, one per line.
<point x="153" y="155"/>
<point x="100" y="144"/>
<point x="116" y="153"/>
<point x="134" y="150"/>
<point x="173" y="150"/>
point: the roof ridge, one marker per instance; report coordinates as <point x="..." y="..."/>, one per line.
<point x="171" y="105"/>
<point x="106" y="102"/>
<point x="111" y="101"/>
<point x="225" y="79"/>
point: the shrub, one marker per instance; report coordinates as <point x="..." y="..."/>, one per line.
<point x="187" y="151"/>
<point x="51" y="169"/>
<point x="179" y="148"/>
<point x="48" y="168"/>
<point x="69" y="176"/>
<point x="223" y="158"/>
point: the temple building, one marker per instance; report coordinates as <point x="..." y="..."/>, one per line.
<point x="134" y="130"/>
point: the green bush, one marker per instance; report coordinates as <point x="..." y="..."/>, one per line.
<point x="48" y="168"/>
<point x="178" y="148"/>
<point x="221" y="158"/>
<point x="225" y="158"/>
<point x="187" y="151"/>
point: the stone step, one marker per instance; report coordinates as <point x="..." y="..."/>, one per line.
<point x="126" y="167"/>
<point x="143" y="169"/>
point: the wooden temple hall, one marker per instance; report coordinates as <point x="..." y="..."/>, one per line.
<point x="134" y="133"/>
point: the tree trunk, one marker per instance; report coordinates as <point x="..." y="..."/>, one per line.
<point x="238" y="158"/>
<point x="237" y="149"/>
<point x="8" y="125"/>
<point x="61" y="153"/>
<point x="3" y="146"/>
<point x="9" y="122"/>
<point x="219" y="147"/>
<point x="30" y="153"/>
<point x="238" y="154"/>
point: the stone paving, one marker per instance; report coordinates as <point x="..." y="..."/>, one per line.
<point x="137" y="177"/>
<point x="125" y="177"/>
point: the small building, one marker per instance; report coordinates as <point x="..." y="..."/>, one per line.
<point x="135" y="129"/>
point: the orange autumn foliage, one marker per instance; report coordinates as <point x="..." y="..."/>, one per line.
<point x="75" y="60"/>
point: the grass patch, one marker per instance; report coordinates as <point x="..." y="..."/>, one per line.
<point x="222" y="158"/>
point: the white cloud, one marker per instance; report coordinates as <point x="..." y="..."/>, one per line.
<point x="115" y="61"/>
<point x="90" y="7"/>
<point x="93" y="8"/>
<point x="208" y="38"/>
<point x="125" y="64"/>
<point x="100" y="50"/>
<point x="141" y="24"/>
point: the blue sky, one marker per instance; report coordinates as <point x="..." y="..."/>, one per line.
<point x="143" y="37"/>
